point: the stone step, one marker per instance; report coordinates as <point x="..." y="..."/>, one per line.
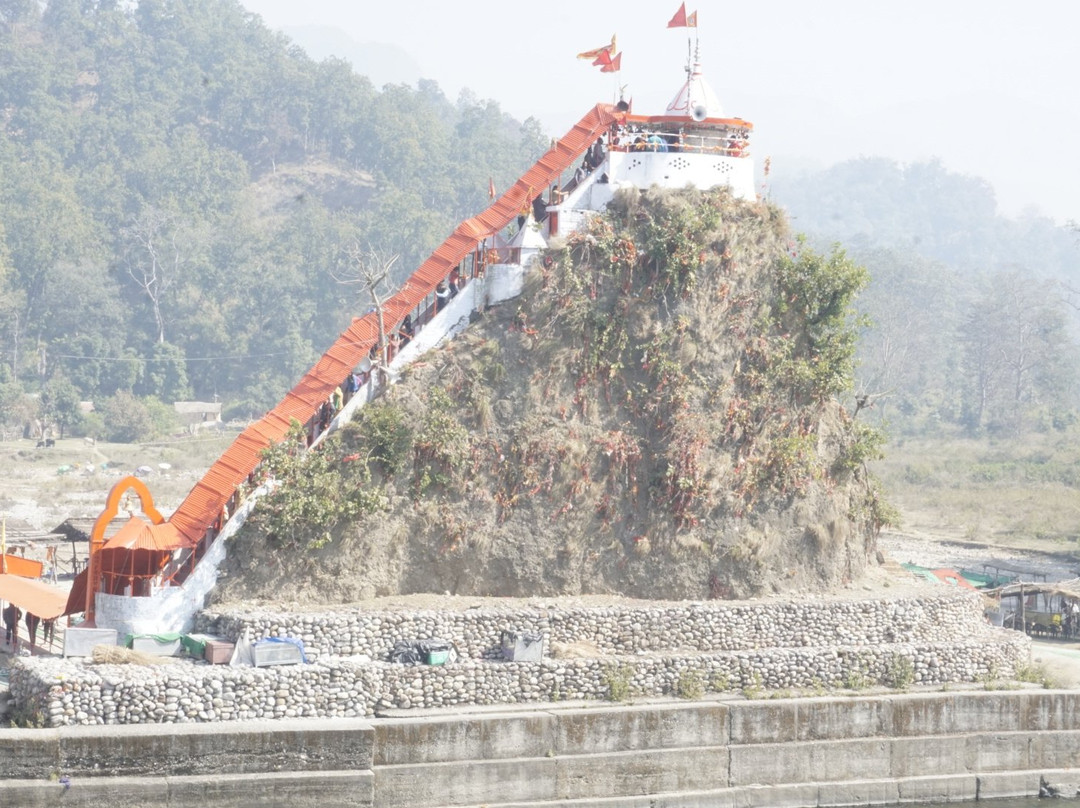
<point x="940" y="789"/>
<point x="574" y="777"/>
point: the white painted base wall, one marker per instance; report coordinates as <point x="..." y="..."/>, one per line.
<point x="172" y="609"/>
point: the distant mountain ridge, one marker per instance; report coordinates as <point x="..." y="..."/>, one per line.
<point x="381" y="62"/>
<point x="876" y="202"/>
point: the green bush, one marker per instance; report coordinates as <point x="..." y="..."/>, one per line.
<point x="126" y="419"/>
<point x="382" y="430"/>
<point x="865" y="444"/>
<point x="901" y="673"/>
<point x="690" y="685"/>
<point x="618" y="679"/>
<point x="753" y="688"/>
<point x="441" y="444"/>
<point x="162" y="416"/>
<point x="319" y="491"/>
<point x="815" y="295"/>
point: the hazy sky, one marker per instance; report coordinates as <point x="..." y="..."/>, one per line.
<point x="988" y="86"/>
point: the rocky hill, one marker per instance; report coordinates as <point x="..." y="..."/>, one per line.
<point x="657" y="416"/>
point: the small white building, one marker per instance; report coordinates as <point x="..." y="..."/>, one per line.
<point x="196" y="415"/>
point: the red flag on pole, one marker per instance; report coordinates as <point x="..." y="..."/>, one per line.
<point x="613" y="65"/>
<point x="603" y="59"/>
<point x="682" y="19"/>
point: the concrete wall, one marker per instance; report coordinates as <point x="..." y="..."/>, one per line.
<point x="869" y="750"/>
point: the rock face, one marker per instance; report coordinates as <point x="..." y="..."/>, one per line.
<point x="655" y="417"/>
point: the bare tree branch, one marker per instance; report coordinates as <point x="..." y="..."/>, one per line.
<point x="369" y="270"/>
<point x="154" y="258"/>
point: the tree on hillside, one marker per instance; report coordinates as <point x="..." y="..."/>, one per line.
<point x="815" y="298"/>
<point x="911" y="304"/>
<point x="59" y="405"/>
<point x="166" y="374"/>
<point x="46" y="229"/>
<point x="126" y="419"/>
<point x="157" y="246"/>
<point x="11" y="306"/>
<point x="13" y="12"/>
<point x="17" y="409"/>
<point x="368" y="271"/>
<point x="1017" y="354"/>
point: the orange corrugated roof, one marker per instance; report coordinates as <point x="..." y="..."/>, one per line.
<point x="138" y="534"/>
<point x="207" y="498"/>
<point x="35" y="597"/>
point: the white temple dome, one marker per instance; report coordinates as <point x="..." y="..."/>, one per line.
<point x="696" y="99"/>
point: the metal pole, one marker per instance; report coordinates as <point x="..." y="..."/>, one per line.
<point x="1023" y="619"/>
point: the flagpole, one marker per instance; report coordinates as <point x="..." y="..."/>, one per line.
<point x="697" y="40"/>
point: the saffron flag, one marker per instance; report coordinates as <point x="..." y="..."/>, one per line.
<point x="595" y="52"/>
<point x="614" y="65"/>
<point x="603" y="59"/>
<point x="682" y="20"/>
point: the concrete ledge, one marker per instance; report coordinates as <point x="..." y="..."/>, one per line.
<point x="959" y="788"/>
<point x="859" y="792"/>
<point x="803" y="795"/>
<point x="901" y="715"/>
<point x="675" y="754"/>
<point x="996" y="785"/>
<point x="677" y="725"/>
<point x="466" y="782"/>
<point x="778" y="764"/>
<point x="300" y="745"/>
<point x="823" y="719"/>
<point x="1057" y="750"/>
<point x="503" y="735"/>
<point x="31" y="754"/>
<point x="641" y="772"/>
<point x="990" y="711"/>
<point x="573" y="779"/>
<point x="312" y="790"/>
<point x="439" y="739"/>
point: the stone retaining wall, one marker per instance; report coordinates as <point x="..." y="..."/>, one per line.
<point x="703" y="627"/>
<point x="938" y="640"/>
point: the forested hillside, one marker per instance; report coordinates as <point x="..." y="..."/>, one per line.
<point x="179" y="185"/>
<point x="972" y="315"/>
